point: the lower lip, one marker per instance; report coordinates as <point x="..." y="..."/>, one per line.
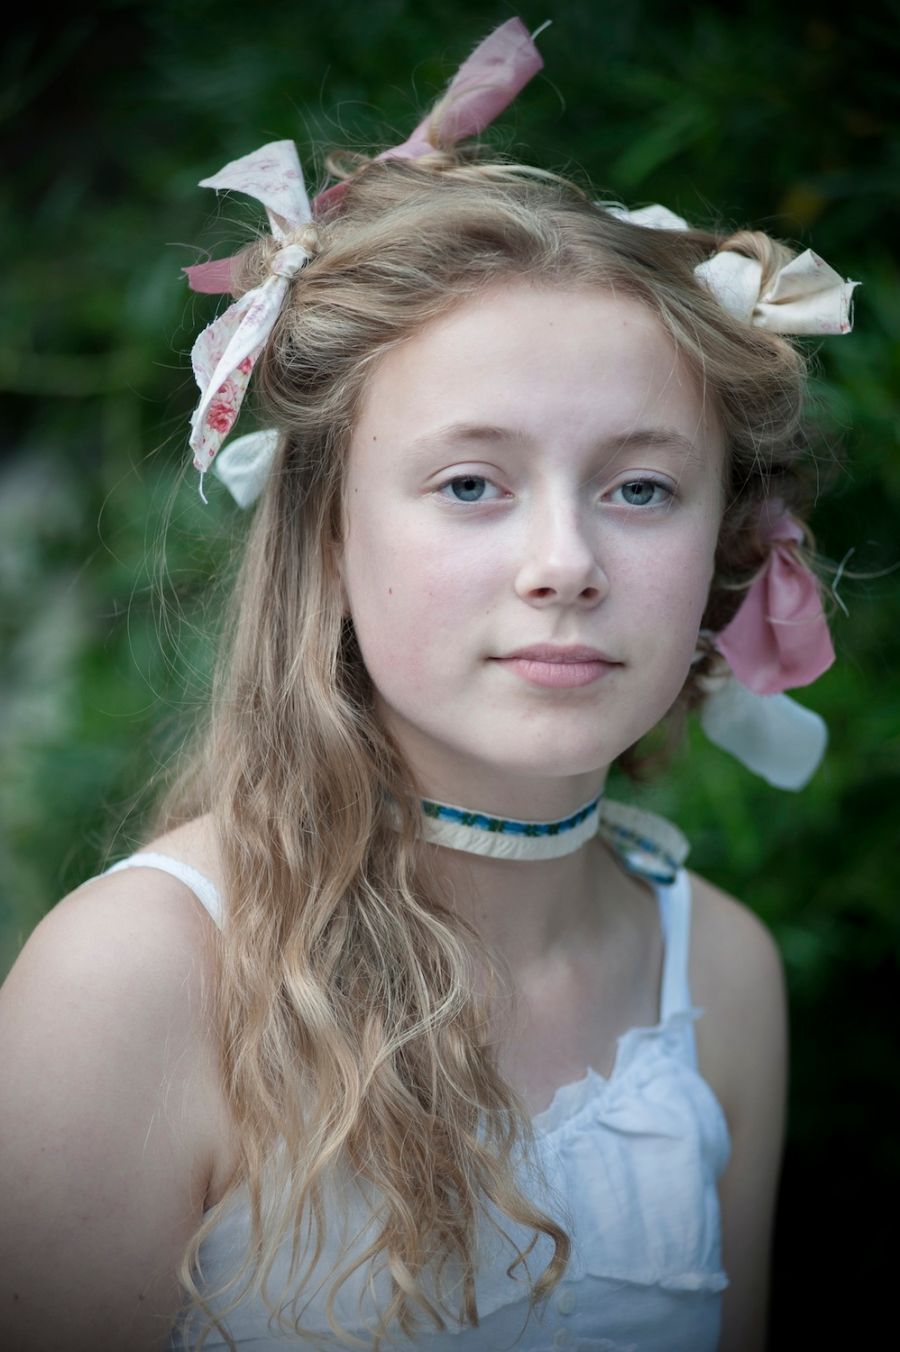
<point x="559" y="675"/>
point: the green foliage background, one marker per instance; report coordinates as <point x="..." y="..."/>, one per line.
<point x="785" y="119"/>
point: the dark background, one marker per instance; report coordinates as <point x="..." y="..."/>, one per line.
<point x="780" y="118"/>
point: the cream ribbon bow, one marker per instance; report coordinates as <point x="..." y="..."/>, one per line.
<point x="806" y="296"/>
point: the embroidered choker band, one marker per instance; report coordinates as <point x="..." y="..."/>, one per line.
<point x="646" y="843"/>
<point x="507" y="837"/>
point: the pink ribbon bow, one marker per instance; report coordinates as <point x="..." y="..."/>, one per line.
<point x="779" y="637"/>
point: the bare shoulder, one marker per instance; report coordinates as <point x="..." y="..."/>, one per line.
<point x="737" y="977"/>
<point x="108" y="1061"/>
<point x="142" y="921"/>
<point x="732" y="948"/>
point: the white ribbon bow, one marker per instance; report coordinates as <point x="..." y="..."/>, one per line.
<point x="806" y="296"/>
<point x="226" y="351"/>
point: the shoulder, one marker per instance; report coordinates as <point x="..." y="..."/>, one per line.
<point x="738" y="964"/>
<point x="138" y="921"/>
<point x="108" y="1057"/>
<point x="128" y="955"/>
<point x="129" y="958"/>
<point x="734" y="956"/>
<point x="737" y="977"/>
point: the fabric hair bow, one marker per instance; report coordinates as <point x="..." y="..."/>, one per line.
<point x="225" y="353"/>
<point x="806" y="296"/>
<point x="778" y="640"/>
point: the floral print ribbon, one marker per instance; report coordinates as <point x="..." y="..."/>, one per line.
<point x="225" y="353"/>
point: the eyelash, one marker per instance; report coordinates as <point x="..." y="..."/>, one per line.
<point x="629" y="483"/>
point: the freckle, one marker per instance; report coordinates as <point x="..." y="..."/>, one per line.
<point x="390" y="591"/>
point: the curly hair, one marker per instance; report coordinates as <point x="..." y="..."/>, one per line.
<point x="345" y="999"/>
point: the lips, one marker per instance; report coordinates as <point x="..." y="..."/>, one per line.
<point x="549" y="652"/>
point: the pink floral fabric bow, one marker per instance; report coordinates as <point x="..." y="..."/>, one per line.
<point x="225" y="353"/>
<point x="779" y="637"/>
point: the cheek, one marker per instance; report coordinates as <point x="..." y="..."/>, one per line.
<point x="673" y="584"/>
<point x="410" y="598"/>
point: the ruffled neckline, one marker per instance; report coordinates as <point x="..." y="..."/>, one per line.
<point x="569" y="1100"/>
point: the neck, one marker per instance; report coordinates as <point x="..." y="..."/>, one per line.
<point x="535" y="913"/>
<point x="532" y="886"/>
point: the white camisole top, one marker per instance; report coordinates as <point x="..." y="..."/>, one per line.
<point x="632" y="1162"/>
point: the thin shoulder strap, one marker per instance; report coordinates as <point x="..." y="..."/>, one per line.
<point x="201" y="886"/>
<point x="675" y="913"/>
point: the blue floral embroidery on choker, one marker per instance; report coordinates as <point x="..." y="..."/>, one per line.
<point x="504" y="825"/>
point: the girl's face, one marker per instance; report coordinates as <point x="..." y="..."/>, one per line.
<point x="532" y="468"/>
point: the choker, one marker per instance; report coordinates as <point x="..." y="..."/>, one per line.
<point x="647" y="844"/>
<point x="507" y="837"/>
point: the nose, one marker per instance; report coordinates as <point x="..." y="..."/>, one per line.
<point x="560" y="558"/>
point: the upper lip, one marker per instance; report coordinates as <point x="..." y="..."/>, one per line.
<point x="550" y="652"/>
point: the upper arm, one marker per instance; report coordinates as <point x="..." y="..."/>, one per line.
<point x="100" y="1174"/>
<point x="746" y="991"/>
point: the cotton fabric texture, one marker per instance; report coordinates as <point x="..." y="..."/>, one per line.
<point x="631" y="1161"/>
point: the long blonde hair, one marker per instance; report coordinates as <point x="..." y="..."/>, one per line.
<point x="345" y="995"/>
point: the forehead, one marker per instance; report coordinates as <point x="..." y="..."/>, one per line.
<point x="557" y="363"/>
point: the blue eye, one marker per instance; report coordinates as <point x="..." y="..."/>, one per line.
<point x="645" y="489"/>
<point x="470" y="487"/>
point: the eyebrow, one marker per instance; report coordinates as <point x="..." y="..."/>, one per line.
<point x="489" y="435"/>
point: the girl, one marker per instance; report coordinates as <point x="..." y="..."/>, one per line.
<point x="398" y="1031"/>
